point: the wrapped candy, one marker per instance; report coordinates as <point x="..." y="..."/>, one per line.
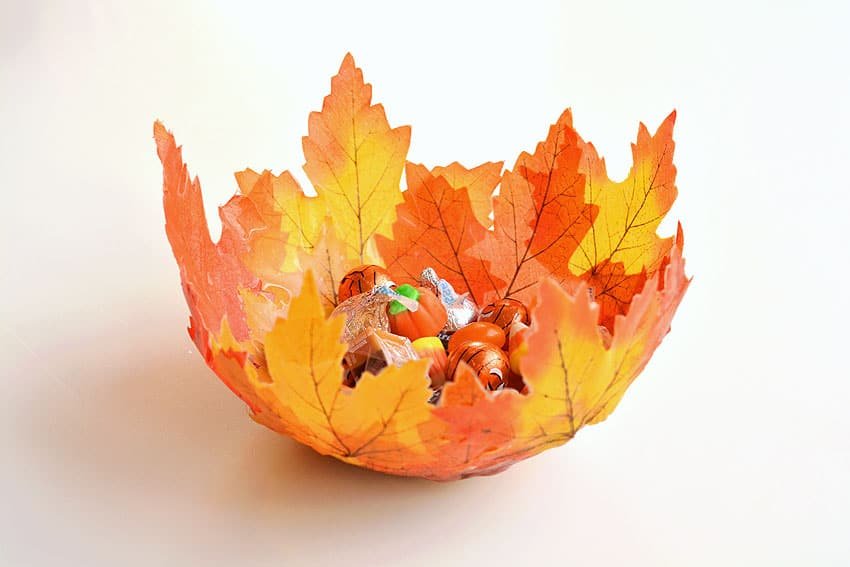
<point x="478" y="331"/>
<point x="425" y="322"/>
<point x="490" y="363"/>
<point x="503" y="312"/>
<point x="373" y="351"/>
<point x="461" y="310"/>
<point x="368" y="311"/>
<point x="362" y="279"/>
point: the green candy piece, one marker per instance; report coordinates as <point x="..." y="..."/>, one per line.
<point x="406" y="290"/>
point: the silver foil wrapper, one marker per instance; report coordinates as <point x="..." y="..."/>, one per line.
<point x="461" y="310"/>
<point x="368" y="311"/>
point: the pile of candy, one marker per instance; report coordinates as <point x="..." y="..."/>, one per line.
<point x="390" y="324"/>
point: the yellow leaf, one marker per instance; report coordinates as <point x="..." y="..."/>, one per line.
<point x="354" y="160"/>
<point x="304" y="355"/>
<point x="630" y="211"/>
<point x="329" y="260"/>
<point x="574" y="379"/>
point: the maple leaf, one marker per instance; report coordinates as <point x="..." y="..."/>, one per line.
<point x="293" y="220"/>
<point x="354" y="159"/>
<point x="435" y="226"/>
<point x="579" y="249"/>
<point x="211" y="273"/>
<point x="540" y="215"/>
<point x="329" y="262"/>
<point x="573" y="377"/>
<point x="630" y="211"/>
<point x="480" y="182"/>
<point x="611" y="288"/>
<point x="304" y="356"/>
<point x="480" y="422"/>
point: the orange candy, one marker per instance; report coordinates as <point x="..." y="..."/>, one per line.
<point x="425" y="321"/>
<point x="361" y="279"/>
<point x="504" y="312"/>
<point x="489" y="362"/>
<point x="479" y="331"/>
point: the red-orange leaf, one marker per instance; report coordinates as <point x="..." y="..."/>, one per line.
<point x="612" y="289"/>
<point x="435" y="226"/>
<point x="609" y="286"/>
<point x="540" y="215"/>
<point x="479" y="422"/>
<point x="480" y="182"/>
<point x="211" y="273"/>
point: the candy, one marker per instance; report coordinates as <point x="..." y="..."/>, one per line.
<point x="362" y="279"/>
<point x="489" y="363"/>
<point x="432" y="347"/>
<point x="503" y="312"/>
<point x="460" y="309"/>
<point x="368" y="311"/>
<point x="374" y="350"/>
<point x="425" y="322"/>
<point x="481" y="332"/>
<point x="517" y="345"/>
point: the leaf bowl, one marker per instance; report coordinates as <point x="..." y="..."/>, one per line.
<point x="582" y="251"/>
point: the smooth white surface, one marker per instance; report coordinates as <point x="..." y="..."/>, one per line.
<point x="119" y="447"/>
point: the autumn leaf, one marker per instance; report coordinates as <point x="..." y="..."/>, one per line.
<point x="540" y="215"/>
<point x="293" y="220"/>
<point x="329" y="261"/>
<point x="581" y="251"/>
<point x="630" y="211"/>
<point x="263" y="307"/>
<point x="611" y="288"/>
<point x="573" y="378"/>
<point x="211" y="273"/>
<point x="229" y="359"/>
<point x="354" y="160"/>
<point x="304" y="356"/>
<point x="435" y="226"/>
<point x="479" y="422"/>
<point x="480" y="182"/>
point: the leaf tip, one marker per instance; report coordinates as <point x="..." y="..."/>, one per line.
<point x="164" y="140"/>
<point x="347" y="62"/>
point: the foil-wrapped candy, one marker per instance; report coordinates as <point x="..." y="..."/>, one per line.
<point x="459" y="307"/>
<point x="488" y="362"/>
<point x="368" y="311"/>
<point x="375" y="350"/>
<point x="362" y="279"/>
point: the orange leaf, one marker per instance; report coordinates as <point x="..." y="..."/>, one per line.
<point x="612" y="289"/>
<point x="479" y="422"/>
<point x="293" y="221"/>
<point x="354" y="160"/>
<point x="480" y="182"/>
<point x="211" y="273"/>
<point x="436" y="227"/>
<point x="540" y="215"/>
<point x="580" y="250"/>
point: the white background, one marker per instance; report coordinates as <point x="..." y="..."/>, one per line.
<point x="119" y="447"/>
